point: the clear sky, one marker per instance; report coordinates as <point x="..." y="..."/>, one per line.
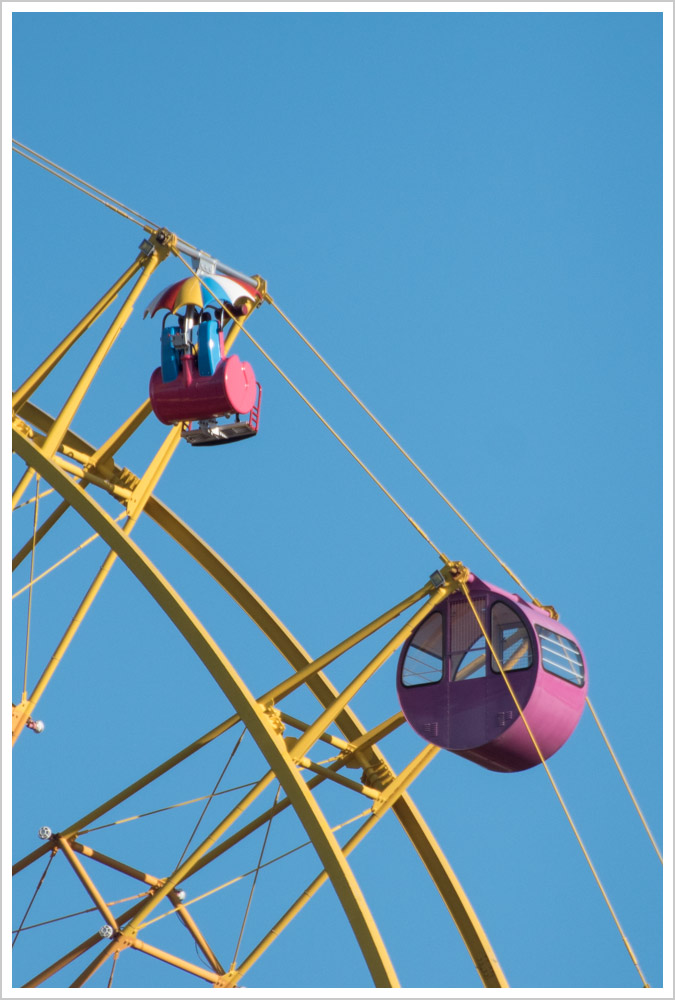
<point x="463" y="212"/>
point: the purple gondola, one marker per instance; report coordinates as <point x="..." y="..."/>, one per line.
<point x="454" y="695"/>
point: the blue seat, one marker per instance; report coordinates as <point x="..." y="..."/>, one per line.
<point x="208" y="347"/>
<point x="169" y="355"/>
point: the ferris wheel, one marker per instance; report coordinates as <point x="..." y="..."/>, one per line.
<point x="487" y="674"/>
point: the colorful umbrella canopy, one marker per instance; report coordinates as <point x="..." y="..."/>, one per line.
<point x="191" y="292"/>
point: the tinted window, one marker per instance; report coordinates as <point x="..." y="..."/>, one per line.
<point x="560" y="656"/>
<point x="423" y="663"/>
<point x="510" y="639"/>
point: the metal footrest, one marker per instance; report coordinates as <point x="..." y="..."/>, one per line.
<point x="207" y="434"/>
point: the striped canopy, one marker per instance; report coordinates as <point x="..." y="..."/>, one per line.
<point x="191" y="292"/>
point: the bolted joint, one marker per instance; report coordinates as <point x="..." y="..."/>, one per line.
<point x="160" y="242"/>
<point x="377" y="776"/>
<point x="124" y="938"/>
<point x="274" y="716"/>
<point x="550" y="610"/>
<point x="127" y="479"/>
<point x="261" y="287"/>
<point x="453" y="572"/>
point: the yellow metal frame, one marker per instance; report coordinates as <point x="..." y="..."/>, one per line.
<point x="72" y="466"/>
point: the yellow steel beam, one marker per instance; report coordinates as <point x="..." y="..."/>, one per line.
<point x="137" y="499"/>
<point x="78" y="950"/>
<point x="450" y="889"/>
<point x="428" y="849"/>
<point x="95" y="965"/>
<point x="253" y="717"/>
<point x="149" y="479"/>
<point x="179" y="963"/>
<point x="185" y="868"/>
<point x="63" y="645"/>
<point x="184" y="915"/>
<point x="72" y="445"/>
<point x="92" y="461"/>
<point x="302" y="675"/>
<point x="49" y="523"/>
<point x="329" y="714"/>
<point x="253" y="825"/>
<point x="105" y="859"/>
<point x="87" y="882"/>
<point x="42" y="371"/>
<point x="404" y="779"/>
<point x="420" y="836"/>
<point x="58" y="429"/>
<point x="190" y="923"/>
<point x="364" y="742"/>
<point x="340" y="779"/>
<point x="136" y="786"/>
<point x="377" y="733"/>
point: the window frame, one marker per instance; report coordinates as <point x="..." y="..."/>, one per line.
<point x="554" y="673"/>
<point x="443" y="657"/>
<point x="494" y="668"/>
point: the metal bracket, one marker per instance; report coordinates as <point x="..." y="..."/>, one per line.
<point x="203" y="265"/>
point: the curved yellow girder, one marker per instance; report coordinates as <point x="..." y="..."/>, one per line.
<point x="419" y="834"/>
<point x="268" y="741"/>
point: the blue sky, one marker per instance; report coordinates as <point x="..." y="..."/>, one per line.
<point x="463" y="212"/>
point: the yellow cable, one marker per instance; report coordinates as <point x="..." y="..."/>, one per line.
<point x="268" y="298"/>
<point x="63" y="170"/>
<point x="88" y="541"/>
<point x="83" y="190"/>
<point x="555" y="787"/>
<point x="316" y="413"/>
<point x="154" y="812"/>
<point x="33" y="499"/>
<point x="79" y="913"/>
<point x="624" y="779"/>
<point x="238" y="878"/>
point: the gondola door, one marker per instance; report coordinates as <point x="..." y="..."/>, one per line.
<point x="468" y="673"/>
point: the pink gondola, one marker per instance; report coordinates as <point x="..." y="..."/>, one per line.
<point x="196" y="384"/>
<point x="454" y="695"/>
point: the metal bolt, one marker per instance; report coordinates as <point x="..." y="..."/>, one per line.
<point x="106" y="931"/>
<point x="45" y="833"/>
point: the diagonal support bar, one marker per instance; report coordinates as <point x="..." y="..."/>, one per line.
<point x="87" y="882"/>
<point x="142" y="492"/>
<point x="40" y="374"/>
<point x="60" y="426"/>
<point x="312" y="734"/>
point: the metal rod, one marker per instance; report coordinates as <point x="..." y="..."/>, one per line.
<point x="40" y="374"/>
<point x="310" y="736"/>
<point x="60" y="426"/>
<point x="197" y="256"/>
<point x="296" y="680"/>
<point x="389" y="798"/>
<point x="189" y="922"/>
<point x="105" y="859"/>
<point x="78" y="950"/>
<point x="186" y="867"/>
<point x="137" y="500"/>
<point x="87" y="882"/>
<point x="179" y="963"/>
